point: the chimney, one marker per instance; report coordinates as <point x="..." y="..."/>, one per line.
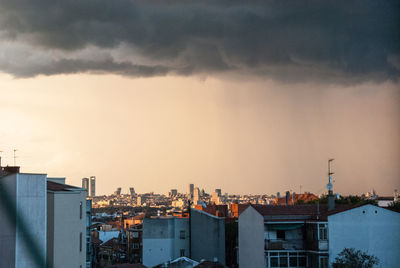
<point x="287" y="197"/>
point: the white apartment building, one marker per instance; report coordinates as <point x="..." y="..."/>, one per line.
<point x="43" y="221"/>
<point x="23" y="220"/>
<point x="312" y="236"/>
<point x="66" y="225"/>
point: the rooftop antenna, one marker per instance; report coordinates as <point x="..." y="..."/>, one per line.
<point x="329" y="186"/>
<point x="15" y="157"/>
<point x="0" y="158"/>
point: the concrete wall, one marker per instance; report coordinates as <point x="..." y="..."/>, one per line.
<point x="208" y="236"/>
<point x="27" y="243"/>
<point x="251" y="239"/>
<point x="161" y="239"/>
<point x="368" y="228"/>
<point x="8" y="187"/>
<point x="65" y="225"/>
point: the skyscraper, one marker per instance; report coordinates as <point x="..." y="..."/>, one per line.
<point x="191" y="189"/>
<point x="118" y="191"/>
<point x="85" y="185"/>
<point x="132" y="190"/>
<point x="196" y="196"/>
<point x="92" y="186"/>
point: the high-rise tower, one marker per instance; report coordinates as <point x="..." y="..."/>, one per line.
<point x="85" y="185"/>
<point x="92" y="186"/>
<point x="191" y="189"/>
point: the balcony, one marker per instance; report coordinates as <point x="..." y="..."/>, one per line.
<point x="279" y="244"/>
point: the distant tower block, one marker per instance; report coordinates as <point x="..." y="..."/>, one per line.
<point x="118" y="191"/>
<point x="191" y="190"/>
<point x="218" y="191"/>
<point x="92" y="186"/>
<point x="132" y="190"/>
<point x="85" y="185"/>
<point x="196" y="196"/>
<point x="174" y="192"/>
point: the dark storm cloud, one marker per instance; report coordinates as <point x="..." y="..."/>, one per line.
<point x="342" y="40"/>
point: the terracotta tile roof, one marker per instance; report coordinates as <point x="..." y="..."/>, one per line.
<point x="293" y="212"/>
<point x="110" y="243"/>
<point x="297" y="197"/>
<point x="58" y="187"/>
<point x="96" y="241"/>
<point x="209" y="264"/>
<point x="128" y="265"/>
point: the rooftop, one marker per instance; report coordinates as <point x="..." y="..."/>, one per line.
<point x="299" y="212"/>
<point x="58" y="187"/>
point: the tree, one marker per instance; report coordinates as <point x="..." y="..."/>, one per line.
<point x="395" y="206"/>
<point x="352" y="258"/>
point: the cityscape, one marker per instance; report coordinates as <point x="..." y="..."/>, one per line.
<point x="191" y="229"/>
<point x="199" y="134"/>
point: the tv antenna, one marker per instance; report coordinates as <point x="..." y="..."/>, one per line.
<point x="0" y="158"/>
<point x="15" y="158"/>
<point x="329" y="186"/>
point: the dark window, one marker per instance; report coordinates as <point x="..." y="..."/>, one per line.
<point x="324" y="262"/>
<point x="182" y="253"/>
<point x="280" y="234"/>
<point x="293" y="261"/>
<point x="274" y="262"/>
<point x="80" y="241"/>
<point x="80" y="210"/>
<point x="283" y="261"/>
<point x="302" y="261"/>
<point x="182" y="234"/>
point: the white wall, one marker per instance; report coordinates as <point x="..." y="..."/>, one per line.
<point x="65" y="226"/>
<point x="251" y="239"/>
<point x="7" y="231"/>
<point x="25" y="245"/>
<point x="156" y="251"/>
<point x="368" y="228"/>
<point x="161" y="241"/>
<point x="207" y="230"/>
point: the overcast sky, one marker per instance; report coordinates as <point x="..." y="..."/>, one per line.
<point x="248" y="97"/>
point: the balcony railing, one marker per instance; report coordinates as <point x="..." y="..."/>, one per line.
<point x="289" y="244"/>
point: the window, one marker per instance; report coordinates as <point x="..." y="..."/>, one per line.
<point x="182" y="253"/>
<point x="280" y="234"/>
<point x="274" y="262"/>
<point x="324" y="262"/>
<point x="80" y="210"/>
<point x="80" y="241"/>
<point x="136" y="245"/>
<point x="323" y="232"/>
<point x="302" y="261"/>
<point x="182" y="234"/>
<point x="293" y="261"/>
